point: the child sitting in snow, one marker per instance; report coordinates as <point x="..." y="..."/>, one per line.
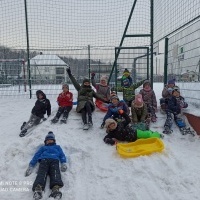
<point x="65" y="102"/>
<point x="48" y="156"/>
<point x="123" y="132"/>
<point x="85" y="104"/>
<point x="113" y="108"/>
<point x="102" y="88"/>
<point x="174" y="105"/>
<point x="42" y="105"/>
<point x="139" y="113"/>
<point x="149" y="99"/>
<point x="166" y="94"/>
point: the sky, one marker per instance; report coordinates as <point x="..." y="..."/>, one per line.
<point x="95" y="170"/>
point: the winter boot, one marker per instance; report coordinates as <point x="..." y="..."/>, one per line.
<point x="38" y="192"/>
<point x="85" y="126"/>
<point x="63" y="120"/>
<point x="90" y="120"/>
<point x="23" y="133"/>
<point x="23" y="125"/>
<point x="167" y="130"/>
<point x="54" y="120"/>
<point x="56" y="194"/>
<point x="147" y="134"/>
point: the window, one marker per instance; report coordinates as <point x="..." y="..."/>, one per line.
<point x="60" y="70"/>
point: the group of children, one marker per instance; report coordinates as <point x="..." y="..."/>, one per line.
<point x="117" y="120"/>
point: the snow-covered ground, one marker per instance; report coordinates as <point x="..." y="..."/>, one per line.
<point x="96" y="171"/>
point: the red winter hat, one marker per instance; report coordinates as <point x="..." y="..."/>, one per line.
<point x="138" y="102"/>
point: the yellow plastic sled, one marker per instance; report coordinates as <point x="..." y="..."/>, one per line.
<point x="140" y="147"/>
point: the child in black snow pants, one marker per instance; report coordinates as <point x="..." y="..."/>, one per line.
<point x="42" y="105"/>
<point x="123" y="132"/>
<point x="48" y="156"/>
<point x="85" y="104"/>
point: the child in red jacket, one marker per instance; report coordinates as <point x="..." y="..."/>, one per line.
<point x="65" y="102"/>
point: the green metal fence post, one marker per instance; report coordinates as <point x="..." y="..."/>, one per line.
<point x="89" y="61"/>
<point x="166" y="61"/>
<point x="28" y="53"/>
<point x="151" y="28"/>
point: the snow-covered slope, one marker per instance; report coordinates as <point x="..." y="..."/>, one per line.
<point x="95" y="170"/>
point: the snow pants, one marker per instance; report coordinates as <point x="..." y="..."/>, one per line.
<point x="33" y="120"/>
<point x="147" y="134"/>
<point x="63" y="110"/>
<point x="48" y="167"/>
<point x="87" y="110"/>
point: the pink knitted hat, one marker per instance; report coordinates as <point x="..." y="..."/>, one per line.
<point x="138" y="102"/>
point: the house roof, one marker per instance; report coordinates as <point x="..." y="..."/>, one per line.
<point x="47" y="60"/>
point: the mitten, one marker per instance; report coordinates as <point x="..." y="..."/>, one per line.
<point x="63" y="167"/>
<point x="120" y="111"/>
<point x="29" y="171"/>
<point x="109" y="141"/>
<point x="69" y="71"/>
<point x="92" y="75"/>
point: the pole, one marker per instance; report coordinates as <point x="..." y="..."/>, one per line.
<point x="89" y="60"/>
<point x="166" y="61"/>
<point x="99" y="70"/>
<point x="28" y="53"/>
<point x="151" y="28"/>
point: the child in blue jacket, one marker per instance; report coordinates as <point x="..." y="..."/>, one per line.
<point x="48" y="156"/>
<point x="113" y="109"/>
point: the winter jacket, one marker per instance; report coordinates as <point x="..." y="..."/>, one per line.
<point x="113" y="110"/>
<point x="41" y="107"/>
<point x="53" y="151"/>
<point x="129" y="92"/>
<point x="149" y="98"/>
<point x="102" y="90"/>
<point x="139" y="114"/>
<point x="174" y="104"/>
<point x="65" y="99"/>
<point x="85" y="94"/>
<point x="123" y="132"/>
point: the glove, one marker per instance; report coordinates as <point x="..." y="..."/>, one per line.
<point x="69" y="71"/>
<point x="102" y="125"/>
<point x="44" y="119"/>
<point x="92" y="75"/>
<point x="120" y="112"/>
<point x="29" y="171"/>
<point x="63" y="167"/>
<point x="109" y="141"/>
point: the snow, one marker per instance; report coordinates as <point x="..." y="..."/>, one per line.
<point x="95" y="170"/>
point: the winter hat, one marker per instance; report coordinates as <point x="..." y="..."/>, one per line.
<point x="38" y="92"/>
<point x="175" y="88"/>
<point x="110" y="121"/>
<point x="114" y="97"/>
<point x="146" y="82"/>
<point x="126" y="82"/>
<point x="50" y="136"/>
<point x="65" y="85"/>
<point x="138" y="102"/>
<point x="86" y="80"/>
<point x="126" y="72"/>
<point x="172" y="81"/>
<point x="103" y="78"/>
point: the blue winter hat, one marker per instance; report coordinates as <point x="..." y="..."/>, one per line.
<point x="50" y="136"/>
<point x="126" y="82"/>
<point x="172" y="81"/>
